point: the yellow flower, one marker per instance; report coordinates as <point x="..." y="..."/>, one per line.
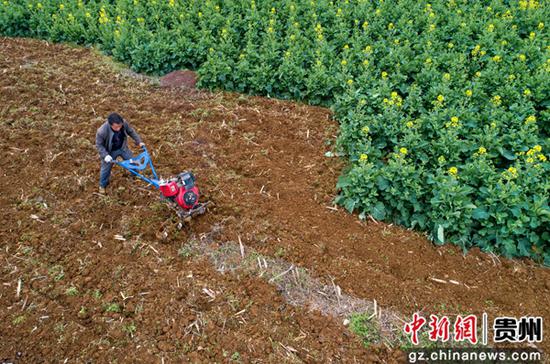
<point x="39" y="6"/>
<point x="496" y="100"/>
<point x="491" y="28"/>
<point x="522" y="57"/>
<point x="273" y="10"/>
<point x="441" y="159"/>
<point x="453" y="123"/>
<point x="440" y="98"/>
<point x="365" y="24"/>
<point x="394" y="95"/>
<point x="428" y="60"/>
<point x="482" y="150"/>
<point x="350" y="82"/>
<point x="117" y="33"/>
<point x="511" y="173"/>
<point x="537" y="148"/>
<point x="403" y="150"/>
<point x="391" y="26"/>
<point x="61" y="6"/>
<point x="527" y="92"/>
<point x="362" y="102"/>
<point x="346" y="47"/>
<point x="541" y="25"/>
<point x="453" y="171"/>
<point x="368" y="49"/>
<point x="542" y="157"/>
<point x="344" y="62"/>
<point x="432" y="27"/>
<point x="482" y="53"/>
<point x="503" y="43"/>
<point x="493" y="125"/>
<point x="365" y="129"/>
<point x="469" y="93"/>
<point x="363" y="157"/>
<point x="140" y="20"/>
<point x="199" y="14"/>
<point x="497" y="59"/>
<point x="366" y="62"/>
<point x="530" y="120"/>
<point x="532" y="35"/>
<point x="171" y="3"/>
<point x="477" y="74"/>
<point x="511" y="77"/>
<point x="410" y="124"/>
<point x="384" y="74"/>
<point x="447" y="76"/>
<point x="530" y="160"/>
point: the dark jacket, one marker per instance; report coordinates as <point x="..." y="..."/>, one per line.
<point x="104" y="138"/>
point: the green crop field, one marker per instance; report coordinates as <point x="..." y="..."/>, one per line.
<point x="443" y="105"/>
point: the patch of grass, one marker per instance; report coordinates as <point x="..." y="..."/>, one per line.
<point x="186" y="251"/>
<point x="280" y="252"/>
<point x="26" y="250"/>
<point x="112" y="307"/>
<point x="59" y="328"/>
<point x="56" y="272"/>
<point x="19" y="319"/>
<point x="236" y="356"/>
<point x="366" y="327"/>
<point x="97" y="294"/>
<point x="129" y="329"/>
<point x="71" y="291"/>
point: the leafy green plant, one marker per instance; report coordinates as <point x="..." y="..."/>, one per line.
<point x="71" y="291"/>
<point x="129" y="329"/>
<point x="366" y="327"/>
<point x="112" y="307"/>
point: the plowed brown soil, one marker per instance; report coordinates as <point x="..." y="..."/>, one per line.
<point x="86" y="294"/>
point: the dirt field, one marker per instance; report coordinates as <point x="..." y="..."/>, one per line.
<point x="107" y="279"/>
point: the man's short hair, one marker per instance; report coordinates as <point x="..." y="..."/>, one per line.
<point x="114" y="118"/>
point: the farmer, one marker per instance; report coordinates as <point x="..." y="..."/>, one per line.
<point x="110" y="142"/>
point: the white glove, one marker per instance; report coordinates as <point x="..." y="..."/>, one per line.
<point x="108" y="158"/>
